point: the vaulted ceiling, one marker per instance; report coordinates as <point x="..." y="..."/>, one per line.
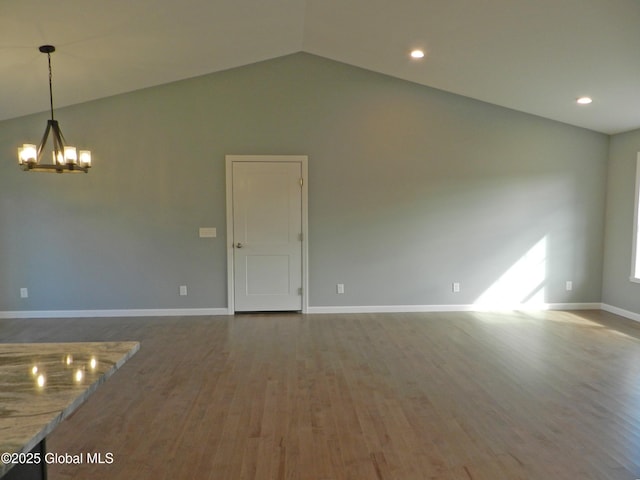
<point x="536" y="56"/>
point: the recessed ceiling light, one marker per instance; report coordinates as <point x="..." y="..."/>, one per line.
<point x="584" y="100"/>
<point x="417" y="53"/>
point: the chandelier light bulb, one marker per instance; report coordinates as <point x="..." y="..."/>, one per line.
<point x="28" y="153"/>
<point x="85" y="158"/>
<point x="58" y="157"/>
<point x="70" y="155"/>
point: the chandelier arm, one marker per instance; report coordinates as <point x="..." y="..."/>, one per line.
<point x="43" y="142"/>
<point x="57" y="135"/>
<point x="58" y="145"/>
<point x="58" y="130"/>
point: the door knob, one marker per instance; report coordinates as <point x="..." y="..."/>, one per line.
<point x="239" y="245"/>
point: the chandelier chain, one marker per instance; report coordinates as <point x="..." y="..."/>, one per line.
<point x="50" y="85"/>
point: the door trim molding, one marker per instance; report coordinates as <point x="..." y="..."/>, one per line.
<point x="303" y="161"/>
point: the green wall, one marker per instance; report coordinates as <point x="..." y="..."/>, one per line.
<point x="410" y="189"/>
<point x="618" y="291"/>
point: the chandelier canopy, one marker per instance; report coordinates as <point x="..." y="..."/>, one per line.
<point x="66" y="158"/>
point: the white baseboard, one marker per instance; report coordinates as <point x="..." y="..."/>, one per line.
<point x="622" y="312"/>
<point x="177" y="312"/>
<point x="139" y="312"/>
<point x="453" y="308"/>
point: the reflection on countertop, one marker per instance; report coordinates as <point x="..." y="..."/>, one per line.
<point x="43" y="383"/>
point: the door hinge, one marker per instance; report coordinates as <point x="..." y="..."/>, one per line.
<point x="299" y="290"/>
<point x="301" y="181"/>
<point x="300" y="237"/>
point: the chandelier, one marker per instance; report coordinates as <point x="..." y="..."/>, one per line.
<point x="65" y="157"/>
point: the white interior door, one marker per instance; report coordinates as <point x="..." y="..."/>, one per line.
<point x="267" y="231"/>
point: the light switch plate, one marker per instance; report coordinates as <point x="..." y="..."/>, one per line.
<point x="208" y="232"/>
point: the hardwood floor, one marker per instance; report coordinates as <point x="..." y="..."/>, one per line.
<point x="549" y="395"/>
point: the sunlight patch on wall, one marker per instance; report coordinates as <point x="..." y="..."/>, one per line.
<point x="522" y="285"/>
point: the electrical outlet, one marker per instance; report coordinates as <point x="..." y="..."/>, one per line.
<point x="24" y="293"/>
<point x="183" y="290"/>
<point x="455" y="287"/>
<point x="340" y="288"/>
<point x="569" y="285"/>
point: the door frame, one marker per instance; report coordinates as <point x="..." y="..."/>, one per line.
<point x="303" y="161"/>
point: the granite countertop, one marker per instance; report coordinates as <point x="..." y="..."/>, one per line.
<point x="41" y="384"/>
